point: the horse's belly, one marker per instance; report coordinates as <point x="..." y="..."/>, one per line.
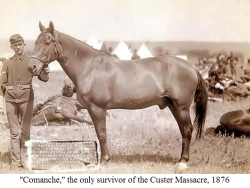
<point x="136" y="97"/>
<point x="135" y="103"/>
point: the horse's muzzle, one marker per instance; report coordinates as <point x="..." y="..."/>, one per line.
<point x="33" y="69"/>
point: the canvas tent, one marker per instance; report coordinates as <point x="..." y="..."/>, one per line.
<point x="122" y="51"/>
<point x="104" y="47"/>
<point x="101" y="46"/>
<point x="55" y="66"/>
<point x="92" y="41"/>
<point x="182" y="57"/>
<point x="144" y="52"/>
<point x="7" y="55"/>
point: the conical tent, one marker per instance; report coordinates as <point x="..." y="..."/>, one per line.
<point x="101" y="46"/>
<point x="122" y="51"/>
<point x="144" y="52"/>
<point x="182" y="57"/>
<point x="55" y="66"/>
<point x="104" y="48"/>
<point x="92" y="41"/>
<point x="97" y="45"/>
<point x="7" y="55"/>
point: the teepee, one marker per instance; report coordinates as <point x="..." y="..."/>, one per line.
<point x="144" y="52"/>
<point x="122" y="51"/>
<point x="101" y="46"/>
<point x="92" y="41"/>
<point x="55" y="66"/>
<point x="182" y="57"/>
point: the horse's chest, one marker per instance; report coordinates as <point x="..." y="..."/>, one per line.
<point x="99" y="97"/>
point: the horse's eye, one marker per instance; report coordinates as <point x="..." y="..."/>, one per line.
<point x="46" y="43"/>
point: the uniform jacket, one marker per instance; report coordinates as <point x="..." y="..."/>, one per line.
<point x="15" y="72"/>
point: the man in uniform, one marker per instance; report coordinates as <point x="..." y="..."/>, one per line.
<point x="231" y="62"/>
<point x="16" y="85"/>
<point x="135" y="55"/>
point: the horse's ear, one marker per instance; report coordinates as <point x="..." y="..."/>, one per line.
<point x="51" y="27"/>
<point x="41" y="27"/>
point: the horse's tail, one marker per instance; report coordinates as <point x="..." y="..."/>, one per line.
<point x="200" y="105"/>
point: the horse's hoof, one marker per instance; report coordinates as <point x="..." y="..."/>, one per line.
<point x="105" y="159"/>
<point x="182" y="166"/>
<point x="103" y="162"/>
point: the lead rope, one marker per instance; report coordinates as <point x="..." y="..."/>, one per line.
<point x="4" y="107"/>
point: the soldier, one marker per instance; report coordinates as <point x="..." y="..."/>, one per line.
<point x="231" y="60"/>
<point x="201" y="64"/>
<point x="221" y="66"/>
<point x="16" y="85"/>
<point x="110" y="50"/>
<point x="135" y="55"/>
<point x="247" y="68"/>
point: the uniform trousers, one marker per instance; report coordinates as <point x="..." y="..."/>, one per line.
<point x="19" y="117"/>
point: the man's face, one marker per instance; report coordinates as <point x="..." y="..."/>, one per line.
<point x="18" y="47"/>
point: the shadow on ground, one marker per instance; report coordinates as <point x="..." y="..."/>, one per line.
<point x="5" y="157"/>
<point x="142" y="158"/>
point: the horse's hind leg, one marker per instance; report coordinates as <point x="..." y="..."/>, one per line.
<point x="182" y="116"/>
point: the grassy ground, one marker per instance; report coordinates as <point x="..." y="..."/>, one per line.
<point x="149" y="141"/>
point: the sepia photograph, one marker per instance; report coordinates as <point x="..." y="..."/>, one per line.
<point x="125" y="87"/>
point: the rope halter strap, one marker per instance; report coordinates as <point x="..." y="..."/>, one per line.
<point x="46" y="59"/>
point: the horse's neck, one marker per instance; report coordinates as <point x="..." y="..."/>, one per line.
<point x="77" y="56"/>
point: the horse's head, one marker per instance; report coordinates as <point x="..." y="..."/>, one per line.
<point x="47" y="49"/>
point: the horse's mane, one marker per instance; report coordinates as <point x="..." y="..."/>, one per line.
<point x="79" y="42"/>
<point x="86" y="45"/>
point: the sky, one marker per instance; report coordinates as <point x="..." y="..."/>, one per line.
<point x="130" y="20"/>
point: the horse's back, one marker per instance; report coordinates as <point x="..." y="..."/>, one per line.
<point x="160" y="66"/>
<point x="237" y="122"/>
<point x="164" y="59"/>
<point x="234" y="118"/>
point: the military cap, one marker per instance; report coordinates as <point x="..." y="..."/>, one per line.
<point x="16" y="38"/>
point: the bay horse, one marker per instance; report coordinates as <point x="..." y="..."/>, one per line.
<point x="235" y="122"/>
<point x="57" y="109"/>
<point x="104" y="82"/>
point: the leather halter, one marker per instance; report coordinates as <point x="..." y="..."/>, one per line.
<point x="46" y="59"/>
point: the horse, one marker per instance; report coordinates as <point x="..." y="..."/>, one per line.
<point x="104" y="82"/>
<point x="57" y="109"/>
<point x="234" y="122"/>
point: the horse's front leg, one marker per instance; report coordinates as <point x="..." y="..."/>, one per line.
<point x="98" y="116"/>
